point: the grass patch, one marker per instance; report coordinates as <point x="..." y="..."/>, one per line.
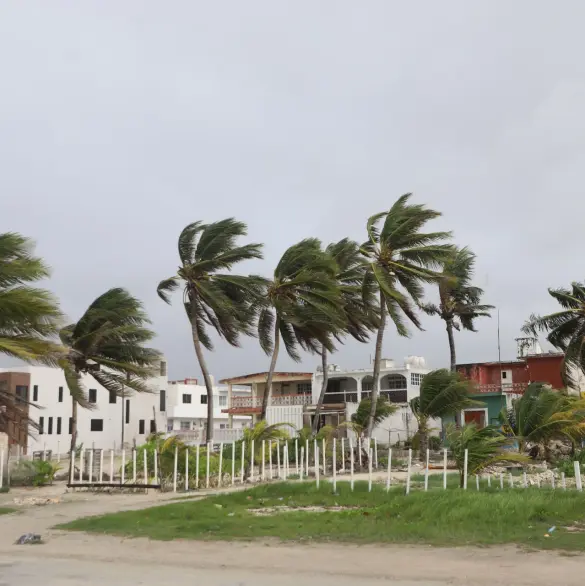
<point x="6" y="510"/>
<point x="443" y="518"/>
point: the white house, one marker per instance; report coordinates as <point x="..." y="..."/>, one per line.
<point x="187" y="411"/>
<point x="136" y="415"/>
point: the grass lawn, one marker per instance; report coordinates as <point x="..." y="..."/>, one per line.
<point x="447" y="518"/>
<point x="5" y="510"/>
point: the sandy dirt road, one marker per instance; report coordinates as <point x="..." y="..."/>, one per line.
<point x="73" y="558"/>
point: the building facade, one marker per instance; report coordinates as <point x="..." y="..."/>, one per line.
<point x="134" y="416"/>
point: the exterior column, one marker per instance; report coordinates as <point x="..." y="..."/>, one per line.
<point x="230" y="405"/>
<point x="359" y="389"/>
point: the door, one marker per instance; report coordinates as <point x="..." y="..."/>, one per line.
<point x="477" y="417"/>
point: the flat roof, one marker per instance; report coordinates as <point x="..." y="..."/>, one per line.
<point x="260" y="377"/>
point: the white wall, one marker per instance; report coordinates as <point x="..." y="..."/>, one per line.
<point x="292" y="414"/>
<point x="48" y="380"/>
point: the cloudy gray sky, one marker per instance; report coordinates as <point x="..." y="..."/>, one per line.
<point x="122" y="121"/>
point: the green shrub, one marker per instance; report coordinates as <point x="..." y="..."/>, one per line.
<point x="35" y="473"/>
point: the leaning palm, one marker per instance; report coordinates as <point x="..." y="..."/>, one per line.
<point x="459" y="301"/>
<point x="486" y="447"/>
<point x="401" y="259"/>
<point x="301" y="305"/>
<point x="359" y="420"/>
<point x="357" y="302"/>
<point x="565" y="328"/>
<point x="108" y="344"/>
<point x="213" y="297"/>
<point x="442" y="393"/>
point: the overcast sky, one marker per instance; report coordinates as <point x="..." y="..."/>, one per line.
<point x="122" y="121"/>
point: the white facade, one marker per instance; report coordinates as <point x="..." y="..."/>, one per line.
<point x="187" y="411"/>
<point x="100" y="427"/>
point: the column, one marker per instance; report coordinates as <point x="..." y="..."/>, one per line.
<point x="229" y="402"/>
<point x="359" y="389"/>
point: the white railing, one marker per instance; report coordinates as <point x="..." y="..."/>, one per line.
<point x="275" y="401"/>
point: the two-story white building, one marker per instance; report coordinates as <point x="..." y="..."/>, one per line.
<point x="187" y="412"/>
<point x="111" y="420"/>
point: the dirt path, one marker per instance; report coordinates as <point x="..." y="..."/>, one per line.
<point x="73" y="558"/>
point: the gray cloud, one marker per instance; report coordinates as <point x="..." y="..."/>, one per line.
<point x="120" y="122"/>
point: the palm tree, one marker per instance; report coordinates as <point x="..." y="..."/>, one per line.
<point x="565" y="328"/>
<point x="214" y="298"/>
<point x="29" y="318"/>
<point x="542" y="414"/>
<point x="359" y="420"/>
<point x="401" y="259"/>
<point x="301" y="305"/>
<point x="358" y="303"/>
<point x="459" y="301"/>
<point x="485" y="447"/>
<point x="107" y="343"/>
<point x="442" y="392"/>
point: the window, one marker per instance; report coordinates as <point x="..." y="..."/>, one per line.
<point x="70" y="425"/>
<point x="222" y="426"/>
<point x="127" y="410"/>
<point x="304" y="388"/>
<point x="416" y="378"/>
<point x="113" y="397"/>
<point x="504" y="374"/>
<point x="367" y="385"/>
<point x="152" y="426"/>
<point x="21" y="393"/>
<point x="93" y="395"/>
<point x="50" y="430"/>
<point x="204" y="399"/>
<point x="223" y="400"/>
<point x="35" y="392"/>
<point x="186" y="398"/>
<point x="58" y="426"/>
<point x="60" y="395"/>
<point x="163" y="368"/>
<point x="97" y="425"/>
<point x="163" y="400"/>
<point x="141" y="427"/>
<point x="185" y="425"/>
<point x="41" y="425"/>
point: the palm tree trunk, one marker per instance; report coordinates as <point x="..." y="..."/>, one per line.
<point x="73" y="435"/>
<point x="377" y="360"/>
<point x="423" y="444"/>
<point x="206" y="378"/>
<point x="268" y="389"/>
<point x="452" y="345"/>
<point x="323" y="389"/>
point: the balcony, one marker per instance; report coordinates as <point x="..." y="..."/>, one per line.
<point x="512" y="388"/>
<point x="275" y="401"/>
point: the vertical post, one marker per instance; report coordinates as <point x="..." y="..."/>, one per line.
<point x="375" y="453"/>
<point x="243" y="458"/>
<point x="91" y="466"/>
<point x="501" y="481"/>
<point x="578" y="481"/>
<point x="186" y="468"/>
<point x="208" y="462"/>
<point x="351" y="465"/>
<point x="307" y="458"/>
<point x="563" y="481"/>
<point x="552" y="481"/>
<point x="511" y="480"/>
<point x="278" y="470"/>
<point x="101" y="465"/>
<point x="408" y="470"/>
<point x="123" y="471"/>
<point x="445" y="469"/>
<point x="2" y="467"/>
<point x="489" y="480"/>
<point x="427" y="471"/>
<point x="233" y="462"/>
<point x="334" y="467"/>
<point x="342" y="469"/>
<point x="220" y="477"/>
<point x="524" y="479"/>
<point x="317" y="465"/>
<point x="538" y="481"/>
<point x="286" y="461"/>
<point x="175" y="467"/>
<point x="302" y="463"/>
<point x="72" y="471"/>
<point x="263" y="464"/>
<point x="465" y="461"/>
<point x="270" y="459"/>
<point x="370" y="458"/>
<point x="155" y="457"/>
<point x="81" y="465"/>
<point x="360" y="452"/>
<point x="197" y="466"/>
<point x="111" y="465"/>
<point x="144" y="457"/>
<point x="477" y="481"/>
<point x="324" y="458"/>
<point x="389" y="477"/>
<point x="296" y="455"/>
<point x="134" y="465"/>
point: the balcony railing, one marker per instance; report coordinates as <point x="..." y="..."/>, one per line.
<point x="513" y="388"/>
<point x="394" y="396"/>
<point x="275" y="401"/>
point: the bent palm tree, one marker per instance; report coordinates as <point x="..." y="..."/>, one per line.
<point x="565" y="328"/>
<point x="301" y="306"/>
<point x="211" y="295"/>
<point x="442" y="393"/>
<point x="358" y="304"/>
<point x="107" y="343"/>
<point x="459" y="301"/>
<point x="401" y="258"/>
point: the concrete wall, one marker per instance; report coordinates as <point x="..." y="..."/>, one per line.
<point x="292" y="414"/>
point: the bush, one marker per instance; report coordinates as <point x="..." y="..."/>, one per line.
<point x="35" y="473"/>
<point x="567" y="465"/>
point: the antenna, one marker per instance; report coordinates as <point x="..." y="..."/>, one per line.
<point x="499" y="350"/>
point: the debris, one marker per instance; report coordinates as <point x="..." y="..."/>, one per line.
<point x="546" y="535"/>
<point x="552" y="529"/>
<point x="231" y="514"/>
<point x="29" y="538"/>
<point x="218" y="506"/>
<point x="36" y="501"/>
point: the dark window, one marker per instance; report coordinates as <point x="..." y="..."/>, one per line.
<point x="141" y="427"/>
<point x="70" y="425"/>
<point x="127" y="410"/>
<point x="58" y="426"/>
<point x="50" y="430"/>
<point x="152" y="426"/>
<point x="204" y="399"/>
<point x="41" y="425"/>
<point x="21" y="393"/>
<point x="186" y="398"/>
<point x="163" y="400"/>
<point x="93" y="395"/>
<point x="112" y="397"/>
<point x="163" y="368"/>
<point x="97" y="425"/>
<point x="60" y="394"/>
<point x="395" y="396"/>
<point x="504" y="375"/>
<point x="35" y="392"/>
